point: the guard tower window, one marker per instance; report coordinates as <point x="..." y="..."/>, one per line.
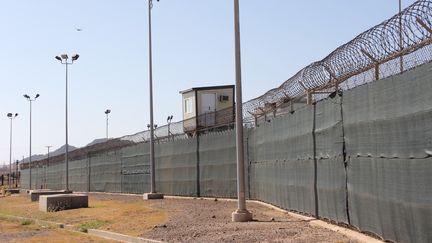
<point x="188" y="105"/>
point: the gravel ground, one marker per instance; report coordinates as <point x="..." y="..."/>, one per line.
<point x="196" y="220"/>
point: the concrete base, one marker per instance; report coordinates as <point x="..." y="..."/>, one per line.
<point x="241" y="216"/>
<point x="153" y="195"/>
<point x="54" y="203"/>
<point x="13" y="190"/>
<point x="25" y="191"/>
<point x="35" y="194"/>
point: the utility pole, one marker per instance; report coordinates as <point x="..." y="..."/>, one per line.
<point x="152" y="194"/>
<point x="241" y="214"/>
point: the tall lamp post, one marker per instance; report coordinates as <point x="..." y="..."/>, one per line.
<point x="152" y="194"/>
<point x="64" y="59"/>
<point x="30" y="137"/>
<point x="47" y="164"/>
<point x="241" y="214"/>
<point x="11" y="116"/>
<point x="106" y="113"/>
<point x="16" y="174"/>
<point x="400" y="36"/>
<point x="169" y="120"/>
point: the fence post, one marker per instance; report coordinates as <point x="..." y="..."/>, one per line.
<point x="88" y="172"/>
<point x="198" y="165"/>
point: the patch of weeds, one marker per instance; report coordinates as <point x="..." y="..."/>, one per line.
<point x="94" y="224"/>
<point x="26" y="222"/>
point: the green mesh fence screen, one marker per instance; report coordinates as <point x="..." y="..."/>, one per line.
<point x="362" y="158"/>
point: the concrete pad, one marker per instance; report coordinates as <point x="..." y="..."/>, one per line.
<point x="241" y="216"/>
<point x="153" y="195"/>
<point x="34" y="194"/>
<point x="59" y="202"/>
<point x="13" y="190"/>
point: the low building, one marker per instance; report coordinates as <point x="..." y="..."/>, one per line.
<point x="206" y="108"/>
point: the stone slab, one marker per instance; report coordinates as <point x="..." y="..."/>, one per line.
<point x="59" y="202"/>
<point x="35" y="194"/>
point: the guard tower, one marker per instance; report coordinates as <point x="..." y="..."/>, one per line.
<point x="206" y="108"/>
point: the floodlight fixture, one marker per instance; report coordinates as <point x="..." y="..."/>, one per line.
<point x="58" y="58"/>
<point x="37" y="95"/>
<point x="64" y="56"/>
<point x="75" y="57"/>
<point x="107" y="111"/>
<point x="333" y="94"/>
<point x="26" y="96"/>
<point x="9" y="114"/>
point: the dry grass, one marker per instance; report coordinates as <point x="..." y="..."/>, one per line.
<point x="15" y="231"/>
<point x="131" y="218"/>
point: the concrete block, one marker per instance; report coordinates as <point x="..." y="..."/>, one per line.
<point x="241" y="216"/>
<point x="59" y="202"/>
<point x="34" y="194"/>
<point x="13" y="190"/>
<point x="24" y="191"/>
<point x="154" y="195"/>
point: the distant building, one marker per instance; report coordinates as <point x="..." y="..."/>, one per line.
<point x="207" y="107"/>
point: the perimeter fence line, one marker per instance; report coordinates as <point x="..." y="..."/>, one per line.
<point x="361" y="162"/>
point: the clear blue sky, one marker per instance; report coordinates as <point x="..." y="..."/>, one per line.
<point x="193" y="46"/>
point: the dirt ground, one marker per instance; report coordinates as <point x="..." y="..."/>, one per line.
<point x="174" y="220"/>
<point x="196" y="220"/>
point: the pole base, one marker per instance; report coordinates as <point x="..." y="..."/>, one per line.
<point x="241" y="216"/>
<point x="153" y="195"/>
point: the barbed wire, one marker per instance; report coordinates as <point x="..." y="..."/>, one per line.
<point x="405" y="38"/>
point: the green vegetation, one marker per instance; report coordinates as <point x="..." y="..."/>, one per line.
<point x="26" y="222"/>
<point x="94" y="224"/>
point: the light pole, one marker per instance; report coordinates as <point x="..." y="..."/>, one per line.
<point x="64" y="59"/>
<point x="106" y="113"/>
<point x="169" y="119"/>
<point x="30" y="137"/>
<point x="47" y="164"/>
<point x="400" y="36"/>
<point x="241" y="214"/>
<point x="16" y="174"/>
<point x="11" y="116"/>
<point x="153" y="194"/>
